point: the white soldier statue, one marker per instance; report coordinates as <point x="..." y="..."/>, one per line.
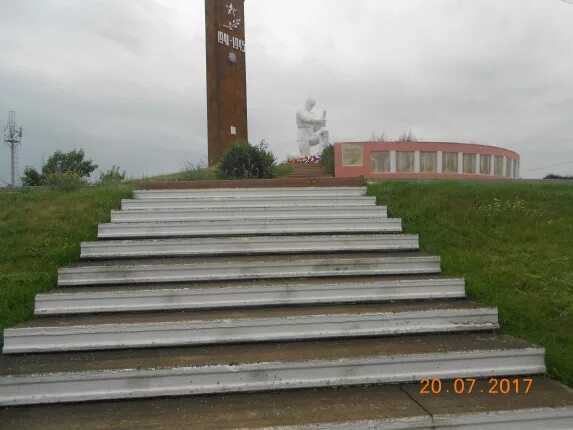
<point x="311" y="129"/>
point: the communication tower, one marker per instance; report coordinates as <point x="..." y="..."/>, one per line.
<point x="13" y="138"/>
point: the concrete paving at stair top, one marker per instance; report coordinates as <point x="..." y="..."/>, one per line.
<point x="253" y="192"/>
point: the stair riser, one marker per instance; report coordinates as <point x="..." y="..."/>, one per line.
<point x="256" y="193"/>
<point x="126" y="384"/>
<point x="110" y="275"/>
<point x="166" y="215"/>
<point x="238" y="297"/>
<point x="251" y="246"/>
<point x="237" y="228"/>
<point x="329" y="202"/>
<point x="127" y="336"/>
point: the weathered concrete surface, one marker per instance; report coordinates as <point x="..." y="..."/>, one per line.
<point x="300" y="244"/>
<point x="252" y="202"/>
<point x="252" y="325"/>
<point x="272" y="367"/>
<point x="254" y="353"/>
<point x="325" y="408"/>
<point x="549" y="405"/>
<point x="214" y="214"/>
<point x="244" y="411"/>
<point x="244" y="294"/>
<point x="253" y="227"/>
<point x="181" y="270"/>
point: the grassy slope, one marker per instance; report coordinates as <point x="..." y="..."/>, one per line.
<point x="39" y="232"/>
<point x="514" y="245"/>
<point x="209" y="174"/>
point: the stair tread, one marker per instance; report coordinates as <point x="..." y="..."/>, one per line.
<point x="381" y="237"/>
<point x="229" y="245"/>
<point x="244" y="354"/>
<point x="331" y="209"/>
<point x="257" y="283"/>
<point x="255" y="259"/>
<point x="253" y="221"/>
<point x="243" y="314"/>
<point x="323" y="406"/>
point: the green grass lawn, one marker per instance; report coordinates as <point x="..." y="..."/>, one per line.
<point x="41" y="231"/>
<point x="512" y="242"/>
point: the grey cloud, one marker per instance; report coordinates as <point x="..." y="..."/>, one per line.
<point x="126" y="79"/>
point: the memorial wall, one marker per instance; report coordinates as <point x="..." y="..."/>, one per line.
<point x="425" y="160"/>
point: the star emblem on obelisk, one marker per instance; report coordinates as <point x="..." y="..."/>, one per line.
<point x="231" y="10"/>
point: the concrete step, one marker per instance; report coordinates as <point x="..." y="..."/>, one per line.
<point x="249" y="202"/>
<point x="548" y="406"/>
<point x="244" y="294"/>
<point x="237" y="227"/>
<point x="162" y="372"/>
<point x="146" y="330"/>
<point x="248" y="245"/>
<point x="245" y="268"/>
<point x="253" y="192"/>
<point x="222" y="214"/>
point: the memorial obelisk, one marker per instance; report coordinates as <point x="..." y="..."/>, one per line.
<point x="226" y="75"/>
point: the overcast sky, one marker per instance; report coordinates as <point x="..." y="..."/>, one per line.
<point x="125" y="79"/>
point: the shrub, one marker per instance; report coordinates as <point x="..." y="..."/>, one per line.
<point x="66" y="181"/>
<point x="32" y="178"/>
<point x="112" y="176"/>
<point x="554" y="176"/>
<point x="245" y="161"/>
<point x="327" y="159"/>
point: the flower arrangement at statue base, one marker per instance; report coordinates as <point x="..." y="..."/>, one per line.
<point x="312" y="159"/>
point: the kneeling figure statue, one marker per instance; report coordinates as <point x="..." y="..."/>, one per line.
<point x="311" y="129"/>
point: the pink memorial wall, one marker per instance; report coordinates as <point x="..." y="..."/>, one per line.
<point x="424" y="160"/>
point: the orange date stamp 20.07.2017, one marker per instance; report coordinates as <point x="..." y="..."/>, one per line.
<point x="465" y="386"/>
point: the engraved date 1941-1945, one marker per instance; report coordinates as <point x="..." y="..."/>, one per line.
<point x="495" y="386"/>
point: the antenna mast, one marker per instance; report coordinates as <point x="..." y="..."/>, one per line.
<point x="13" y="138"/>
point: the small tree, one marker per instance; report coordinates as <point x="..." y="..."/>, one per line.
<point x="69" y="162"/>
<point x="327" y="159"/>
<point x="32" y="178"/>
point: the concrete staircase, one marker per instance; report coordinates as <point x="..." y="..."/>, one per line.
<point x="266" y="308"/>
